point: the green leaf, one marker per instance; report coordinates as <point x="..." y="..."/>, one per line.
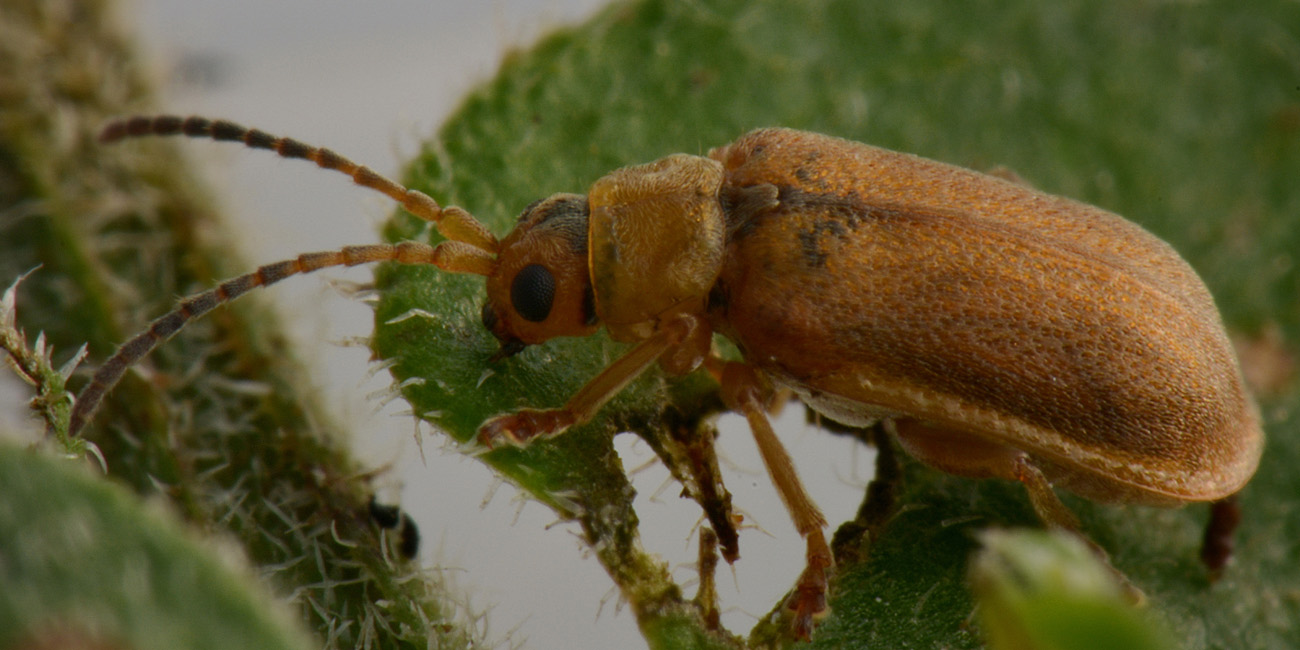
<point x="1182" y="116"/>
<point x="85" y="564"/>
<point x="1048" y="591"/>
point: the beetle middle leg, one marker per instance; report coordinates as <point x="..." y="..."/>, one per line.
<point x="962" y="454"/>
<point x="745" y="391"/>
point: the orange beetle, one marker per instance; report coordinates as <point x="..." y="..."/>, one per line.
<point x="1002" y="332"/>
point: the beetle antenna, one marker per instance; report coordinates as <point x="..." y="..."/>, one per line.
<point x="451" y="256"/>
<point x="454" y="223"/>
<point x="470" y="248"/>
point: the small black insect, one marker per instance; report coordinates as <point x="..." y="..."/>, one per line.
<point x="394" y="518"/>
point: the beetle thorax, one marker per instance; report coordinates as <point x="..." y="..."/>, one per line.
<point x="657" y="235"/>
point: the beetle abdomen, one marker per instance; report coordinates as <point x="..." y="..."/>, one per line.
<point x="934" y="292"/>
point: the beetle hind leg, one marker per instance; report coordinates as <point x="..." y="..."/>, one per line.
<point x="1055" y="514"/>
<point x="1218" y="544"/>
<point x="1049" y="508"/>
<point x="962" y="454"/>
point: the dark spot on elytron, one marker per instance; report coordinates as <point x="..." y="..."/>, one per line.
<point x="810" y="247"/>
<point x="811" y="244"/>
<point x="809" y="180"/>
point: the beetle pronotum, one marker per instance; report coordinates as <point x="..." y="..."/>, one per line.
<point x="1001" y="331"/>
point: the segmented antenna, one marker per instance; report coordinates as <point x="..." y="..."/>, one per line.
<point x="471" y="247"/>
<point x="453" y="222"/>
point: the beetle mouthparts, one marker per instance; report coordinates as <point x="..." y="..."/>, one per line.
<point x="508" y="349"/>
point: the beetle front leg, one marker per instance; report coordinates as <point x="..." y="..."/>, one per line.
<point x="520" y="427"/>
<point x="745" y="391"/>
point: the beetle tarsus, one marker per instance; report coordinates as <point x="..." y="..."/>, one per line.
<point x="706" y="597"/>
<point x="809" y="598"/>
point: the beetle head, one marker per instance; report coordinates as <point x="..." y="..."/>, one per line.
<point x="541" y="286"/>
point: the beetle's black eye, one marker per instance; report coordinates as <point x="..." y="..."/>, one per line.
<point x="532" y="292"/>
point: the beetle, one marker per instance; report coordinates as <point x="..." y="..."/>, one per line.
<point x="1000" y="331"/>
